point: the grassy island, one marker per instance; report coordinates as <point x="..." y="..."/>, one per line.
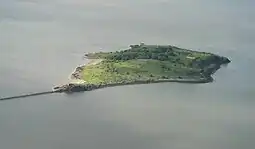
<point x="147" y="64"/>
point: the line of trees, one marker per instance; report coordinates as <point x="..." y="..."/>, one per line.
<point x="157" y="53"/>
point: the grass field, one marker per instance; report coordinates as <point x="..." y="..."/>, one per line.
<point x="108" y="72"/>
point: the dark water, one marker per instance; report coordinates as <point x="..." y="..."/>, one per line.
<point x="42" y="41"/>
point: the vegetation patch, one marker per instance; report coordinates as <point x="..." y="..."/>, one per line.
<point x="150" y="62"/>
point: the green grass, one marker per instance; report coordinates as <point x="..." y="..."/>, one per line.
<point x="107" y="72"/>
<point x="148" y="62"/>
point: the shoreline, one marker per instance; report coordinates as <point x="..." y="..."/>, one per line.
<point x="76" y="87"/>
<point x="70" y="88"/>
<point x="75" y="75"/>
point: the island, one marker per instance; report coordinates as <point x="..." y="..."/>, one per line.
<point x="143" y="64"/>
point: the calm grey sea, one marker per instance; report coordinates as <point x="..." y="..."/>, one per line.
<point x="42" y="41"/>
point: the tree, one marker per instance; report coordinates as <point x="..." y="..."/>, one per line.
<point x="164" y="77"/>
<point x="154" y="56"/>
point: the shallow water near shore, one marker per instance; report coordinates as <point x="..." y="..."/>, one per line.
<point x="41" y="42"/>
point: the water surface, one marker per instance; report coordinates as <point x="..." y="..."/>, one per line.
<point x="42" y="41"/>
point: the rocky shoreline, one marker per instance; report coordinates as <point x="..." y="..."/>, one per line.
<point x="76" y="75"/>
<point x="72" y="87"/>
